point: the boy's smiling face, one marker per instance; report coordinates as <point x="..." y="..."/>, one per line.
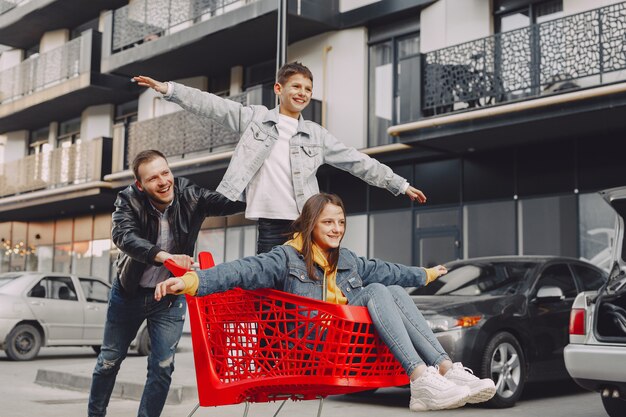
<point x="294" y="95"/>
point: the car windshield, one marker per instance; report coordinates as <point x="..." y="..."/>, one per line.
<point x="493" y="278"/>
<point x="6" y="278"/>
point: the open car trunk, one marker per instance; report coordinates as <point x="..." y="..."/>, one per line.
<point x="610" y="319"/>
<point x="610" y="322"/>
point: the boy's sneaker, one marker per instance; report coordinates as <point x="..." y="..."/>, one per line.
<point x="480" y="389"/>
<point x="431" y="391"/>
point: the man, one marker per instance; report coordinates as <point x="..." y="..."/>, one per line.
<point x="156" y="218"/>
<point x="274" y="164"/>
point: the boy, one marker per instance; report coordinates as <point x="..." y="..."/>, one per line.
<point x="274" y="164"/>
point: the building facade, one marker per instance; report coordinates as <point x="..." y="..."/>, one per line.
<point x="506" y="113"/>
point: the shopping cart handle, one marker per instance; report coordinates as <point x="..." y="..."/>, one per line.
<point x="174" y="268"/>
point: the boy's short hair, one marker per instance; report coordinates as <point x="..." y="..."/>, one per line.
<point x="143" y="157"/>
<point x="290" y="69"/>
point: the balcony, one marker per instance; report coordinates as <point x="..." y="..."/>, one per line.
<point x="65" y="180"/>
<point x="547" y="81"/>
<point x="76" y="164"/>
<point x="57" y="85"/>
<point x="578" y="51"/>
<point x="23" y="22"/>
<point x="146" y="36"/>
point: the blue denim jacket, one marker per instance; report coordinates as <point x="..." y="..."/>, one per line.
<point x="284" y="269"/>
<point x="311" y="147"/>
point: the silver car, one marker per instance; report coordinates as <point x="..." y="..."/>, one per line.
<point x="596" y="354"/>
<point x="49" y="309"/>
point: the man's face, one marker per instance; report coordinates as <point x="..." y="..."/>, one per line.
<point x="157" y="181"/>
<point x="294" y="95"/>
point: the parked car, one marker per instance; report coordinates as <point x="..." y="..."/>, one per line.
<point x="40" y="309"/>
<point x="507" y="318"/>
<point x="596" y="354"/>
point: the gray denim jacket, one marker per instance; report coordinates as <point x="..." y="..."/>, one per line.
<point x="311" y="147"/>
<point x="283" y="268"/>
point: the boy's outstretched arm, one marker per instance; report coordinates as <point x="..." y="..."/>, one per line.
<point x="157" y="86"/>
<point x="415" y="194"/>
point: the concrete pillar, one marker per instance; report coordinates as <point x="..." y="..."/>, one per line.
<point x="236" y="80"/>
<point x="97" y="121"/>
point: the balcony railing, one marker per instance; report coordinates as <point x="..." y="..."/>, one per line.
<point x="145" y="20"/>
<point x="577" y="51"/>
<point x="41" y="71"/>
<point x="76" y="164"/>
<point x="6" y="5"/>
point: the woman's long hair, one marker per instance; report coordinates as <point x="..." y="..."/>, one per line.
<point x="306" y="223"/>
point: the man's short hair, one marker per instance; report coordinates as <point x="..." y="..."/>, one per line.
<point x="290" y="69"/>
<point x="144" y="157"/>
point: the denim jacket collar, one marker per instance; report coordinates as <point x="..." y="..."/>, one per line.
<point x="272" y="117"/>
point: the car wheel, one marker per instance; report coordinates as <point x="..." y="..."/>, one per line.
<point x="503" y="362"/>
<point x="143" y="345"/>
<point x="96" y="348"/>
<point x="23" y="343"/>
<point x="614" y="406"/>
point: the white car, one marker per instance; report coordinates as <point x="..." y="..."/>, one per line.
<point x="596" y="354"/>
<point x="50" y="309"/>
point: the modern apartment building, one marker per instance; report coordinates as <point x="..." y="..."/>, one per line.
<point x="508" y="114"/>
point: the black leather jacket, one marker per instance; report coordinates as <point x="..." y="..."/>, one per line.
<point x="135" y="226"/>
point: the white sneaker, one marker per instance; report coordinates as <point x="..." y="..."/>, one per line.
<point x="431" y="391"/>
<point x="480" y="389"/>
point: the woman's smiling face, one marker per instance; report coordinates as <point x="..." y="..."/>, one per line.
<point x="329" y="228"/>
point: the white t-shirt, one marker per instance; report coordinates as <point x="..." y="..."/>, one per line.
<point x="270" y="192"/>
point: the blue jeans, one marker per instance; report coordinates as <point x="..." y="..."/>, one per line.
<point x="124" y="317"/>
<point x="401" y="326"/>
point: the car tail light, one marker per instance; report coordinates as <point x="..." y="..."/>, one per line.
<point x="577" y="321"/>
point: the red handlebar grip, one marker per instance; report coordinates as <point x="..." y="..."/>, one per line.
<point x="174" y="268"/>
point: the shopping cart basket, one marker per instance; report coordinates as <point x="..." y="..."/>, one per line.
<point x="267" y="345"/>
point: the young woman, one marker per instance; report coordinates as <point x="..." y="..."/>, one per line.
<point x="313" y="265"/>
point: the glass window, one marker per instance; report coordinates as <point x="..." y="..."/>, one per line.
<point x="81" y="258"/>
<point x="94" y="291"/>
<point x="69" y="133"/>
<point x="393" y="82"/>
<point x="38" y="141"/>
<point x="390" y="236"/>
<point x="355" y="238"/>
<point x="62" y="258"/>
<point x="408" y="88"/>
<point x="101" y="258"/>
<point x="490" y="229"/>
<point x="548" y="10"/>
<point x="589" y="278"/>
<point x="548" y="226"/>
<point x="496" y="278"/>
<point x="40" y="259"/>
<point x="380" y="92"/>
<point x="558" y="276"/>
<point x="57" y="288"/>
<point x="212" y="240"/>
<point x="240" y="242"/>
<point x="510" y="17"/>
<point x="596" y="230"/>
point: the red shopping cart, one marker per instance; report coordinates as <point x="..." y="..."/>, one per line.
<point x="268" y="345"/>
